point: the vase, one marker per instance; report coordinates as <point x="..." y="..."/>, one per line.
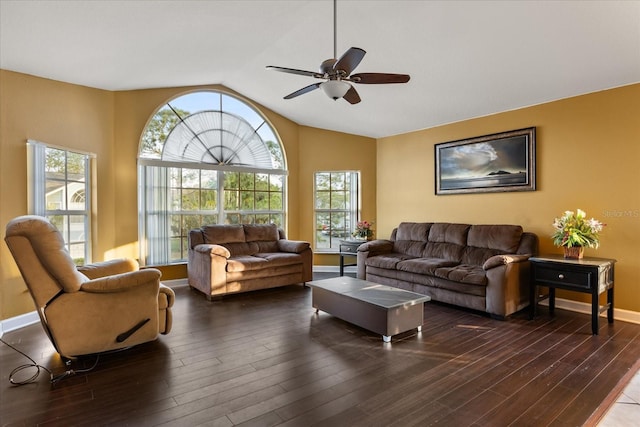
<point x="573" y="252"/>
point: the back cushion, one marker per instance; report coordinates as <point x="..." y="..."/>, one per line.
<point x="261" y="232"/>
<point x="501" y="237"/>
<point x="242" y="248"/>
<point x="446" y="241"/>
<point x="411" y="237"/>
<point x="418" y="231"/>
<point x="218" y="234"/>
<point x="485" y="241"/>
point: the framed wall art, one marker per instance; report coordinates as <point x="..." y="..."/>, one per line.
<point x="492" y="163"/>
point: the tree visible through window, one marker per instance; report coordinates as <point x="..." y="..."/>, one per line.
<point x="206" y="158"/>
<point x="336" y="208"/>
<point x="59" y="188"/>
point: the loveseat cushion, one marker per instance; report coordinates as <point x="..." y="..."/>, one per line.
<point x="261" y="232"/>
<point x="220" y="234"/>
<point x="276" y="259"/>
<point x="418" y="231"/>
<point x="245" y="263"/>
<point x="242" y="248"/>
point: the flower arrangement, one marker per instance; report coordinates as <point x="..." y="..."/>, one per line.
<point x="363" y="230"/>
<point x="574" y="230"/>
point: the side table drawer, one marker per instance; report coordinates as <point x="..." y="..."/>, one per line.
<point x="578" y="279"/>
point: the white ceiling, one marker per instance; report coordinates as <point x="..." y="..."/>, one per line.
<point x="466" y="58"/>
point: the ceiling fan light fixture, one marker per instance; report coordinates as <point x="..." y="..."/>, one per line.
<point x="335" y="89"/>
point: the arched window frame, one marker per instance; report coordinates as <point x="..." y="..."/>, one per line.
<point x="178" y="193"/>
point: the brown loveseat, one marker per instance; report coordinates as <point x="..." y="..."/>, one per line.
<point x="226" y="259"/>
<point x="482" y="267"/>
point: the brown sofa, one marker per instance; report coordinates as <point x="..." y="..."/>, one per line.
<point x="482" y="267"/>
<point x="225" y="259"/>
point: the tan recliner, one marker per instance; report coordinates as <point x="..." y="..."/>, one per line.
<point x="90" y="309"/>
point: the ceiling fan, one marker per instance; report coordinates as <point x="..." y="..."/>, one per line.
<point x="337" y="76"/>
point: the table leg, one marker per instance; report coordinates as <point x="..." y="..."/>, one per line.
<point x="595" y="311"/>
<point x="610" y="302"/>
<point x="341" y="265"/>
<point x="552" y="300"/>
<point x="533" y="300"/>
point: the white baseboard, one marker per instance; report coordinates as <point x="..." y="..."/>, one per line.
<point x="583" y="307"/>
<point x="13" y="323"/>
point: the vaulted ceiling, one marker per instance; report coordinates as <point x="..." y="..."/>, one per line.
<point x="466" y="58"/>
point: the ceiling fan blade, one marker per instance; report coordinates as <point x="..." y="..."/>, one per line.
<point x="379" y="78"/>
<point x="294" y="71"/>
<point x="352" y="96"/>
<point x="303" y="90"/>
<point x="349" y="60"/>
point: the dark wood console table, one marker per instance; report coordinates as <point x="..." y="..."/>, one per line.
<point x="348" y="248"/>
<point x="588" y="275"/>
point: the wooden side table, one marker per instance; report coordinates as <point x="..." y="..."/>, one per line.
<point x="348" y="248"/>
<point x="588" y="275"/>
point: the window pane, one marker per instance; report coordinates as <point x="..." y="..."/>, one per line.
<point x="175" y="177"/>
<point x="262" y="182"/>
<point x="77" y="251"/>
<point x="323" y="181"/>
<point x="262" y="201"/>
<point x="76" y="229"/>
<point x="75" y="166"/>
<point x="190" y="200"/>
<point x="231" y="180"/>
<point x="338" y="181"/>
<point x="209" y="219"/>
<point x="190" y="178"/>
<point x="338" y="200"/>
<point x="275" y="201"/>
<point x="55" y="163"/>
<point x="262" y="219"/>
<point x="208" y="199"/>
<point x="208" y="179"/>
<point x="323" y="199"/>
<point x="231" y="200"/>
<point x="247" y="181"/>
<point x="246" y="200"/>
<point x="276" y="182"/>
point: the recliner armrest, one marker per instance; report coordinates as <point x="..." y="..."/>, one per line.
<point x="292" y="246"/>
<point x="122" y="282"/>
<point x="109" y="268"/>
<point x="498" y="260"/>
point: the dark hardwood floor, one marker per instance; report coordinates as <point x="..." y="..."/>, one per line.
<point x="266" y="358"/>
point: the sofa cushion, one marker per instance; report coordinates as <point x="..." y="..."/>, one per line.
<point x="418" y="231"/>
<point x="219" y="234"/>
<point x="261" y="232"/>
<point x="463" y="273"/>
<point x="505" y="238"/>
<point x="442" y="232"/>
<point x="245" y="263"/>
<point x="409" y="247"/>
<point x="242" y="248"/>
<point x="424" y="265"/>
<point x="280" y="258"/>
<point x="387" y="261"/>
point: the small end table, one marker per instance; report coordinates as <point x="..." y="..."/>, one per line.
<point x="588" y="275"/>
<point x="348" y="248"/>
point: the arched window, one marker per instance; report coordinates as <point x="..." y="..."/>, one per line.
<point x="206" y="158"/>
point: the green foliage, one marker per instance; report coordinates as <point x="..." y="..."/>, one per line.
<point x="158" y="129"/>
<point x="573" y="229"/>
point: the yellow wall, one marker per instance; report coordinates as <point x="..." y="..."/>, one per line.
<point x="61" y="114"/>
<point x="588" y="152"/>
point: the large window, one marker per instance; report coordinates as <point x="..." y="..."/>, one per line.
<point x="206" y="158"/>
<point x="59" y="189"/>
<point x="337" y="208"/>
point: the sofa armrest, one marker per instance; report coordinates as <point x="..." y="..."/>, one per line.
<point x="123" y="282"/>
<point x="498" y="260"/>
<point x="109" y="268"/>
<point x="292" y="246"/>
<point x="379" y="246"/>
<point x="372" y="248"/>
<point x="212" y="249"/>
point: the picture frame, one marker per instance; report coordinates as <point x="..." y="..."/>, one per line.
<point x="499" y="162"/>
